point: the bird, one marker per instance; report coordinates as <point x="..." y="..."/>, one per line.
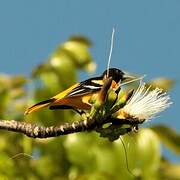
<point x="78" y="95"/>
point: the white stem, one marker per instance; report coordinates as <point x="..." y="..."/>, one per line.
<point x="111" y="48"/>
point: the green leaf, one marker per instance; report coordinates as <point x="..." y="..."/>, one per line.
<point x="64" y="68"/>
<point x="79" y="149"/>
<point x="169" y="170"/>
<point x="5" y="82"/>
<point x="77" y="50"/>
<point x="168" y="136"/>
<point x="81" y="39"/>
<point x="41" y="68"/>
<point x="6" y="165"/>
<point x="4" y="101"/>
<point x="143" y="153"/>
<point x="18" y="81"/>
<point x="9" y="82"/>
<point x="162" y="83"/>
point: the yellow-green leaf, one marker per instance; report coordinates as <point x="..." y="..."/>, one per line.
<point x="168" y="136"/>
<point x="162" y="83"/>
<point x="75" y="49"/>
<point x="169" y="170"/>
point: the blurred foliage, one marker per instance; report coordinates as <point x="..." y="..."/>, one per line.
<point x="168" y="137"/>
<point x="169" y="171"/>
<point x="162" y="83"/>
<point x="82" y="156"/>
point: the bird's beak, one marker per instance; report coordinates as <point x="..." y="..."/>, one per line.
<point x="128" y="78"/>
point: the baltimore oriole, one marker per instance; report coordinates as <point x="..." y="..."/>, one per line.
<point x="78" y="95"/>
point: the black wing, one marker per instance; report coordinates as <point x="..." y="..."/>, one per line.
<point x="86" y="87"/>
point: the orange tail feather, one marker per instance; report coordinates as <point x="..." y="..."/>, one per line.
<point x="38" y="106"/>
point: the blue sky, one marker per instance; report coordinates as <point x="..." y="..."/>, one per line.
<point x="147" y="39"/>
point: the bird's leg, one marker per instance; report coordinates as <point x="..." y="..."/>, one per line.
<point x="79" y="111"/>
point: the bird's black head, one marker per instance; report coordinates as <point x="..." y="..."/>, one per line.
<point x="115" y="73"/>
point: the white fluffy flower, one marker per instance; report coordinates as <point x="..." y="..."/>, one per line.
<point x="145" y="104"/>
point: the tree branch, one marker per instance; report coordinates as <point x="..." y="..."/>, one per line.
<point x="35" y="131"/>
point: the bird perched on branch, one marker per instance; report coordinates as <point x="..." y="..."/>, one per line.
<point x="78" y="95"/>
